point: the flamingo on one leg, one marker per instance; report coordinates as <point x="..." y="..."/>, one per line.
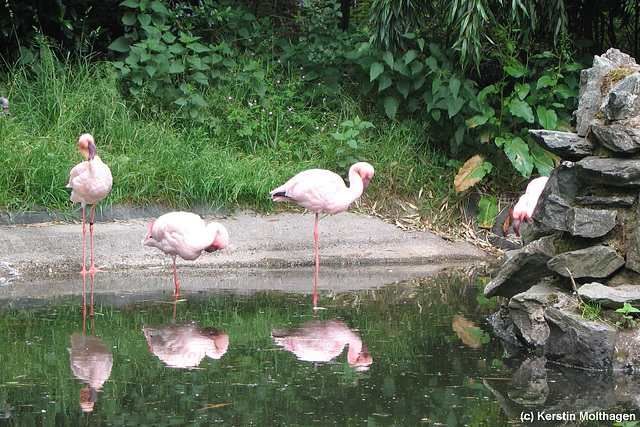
<point x="90" y="182"/>
<point x="185" y="234"/>
<point x="320" y="190"/>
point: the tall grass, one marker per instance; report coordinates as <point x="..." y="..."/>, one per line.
<point x="240" y="150"/>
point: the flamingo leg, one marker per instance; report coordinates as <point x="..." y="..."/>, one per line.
<point x="84" y="300"/>
<point x="93" y="274"/>
<point x="315" y="238"/>
<point x="175" y="278"/>
<point x="84" y="244"/>
<point x="93" y="268"/>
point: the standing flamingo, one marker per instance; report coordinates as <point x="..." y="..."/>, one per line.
<point x="185" y="234"/>
<point x="90" y="182"/>
<point x="320" y="190"/>
<point x="523" y="210"/>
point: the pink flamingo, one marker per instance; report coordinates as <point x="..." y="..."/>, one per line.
<point x="322" y="341"/>
<point x="185" y="234"/>
<point x="320" y="190"/>
<point x="90" y="182"/>
<point x="523" y="210"/>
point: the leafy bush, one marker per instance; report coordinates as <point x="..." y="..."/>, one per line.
<point x="166" y="59"/>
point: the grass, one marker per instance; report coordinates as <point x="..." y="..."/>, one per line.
<point x="241" y="149"/>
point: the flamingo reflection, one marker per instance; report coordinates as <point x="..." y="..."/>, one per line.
<point x="322" y="341"/>
<point x="91" y="362"/>
<point x="183" y="345"/>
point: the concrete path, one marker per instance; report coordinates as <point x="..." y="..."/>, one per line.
<point x="266" y="252"/>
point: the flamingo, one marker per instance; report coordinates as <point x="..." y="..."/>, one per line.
<point x="322" y="341"/>
<point x="523" y="210"/>
<point x="90" y="182"/>
<point x="185" y="234"/>
<point x="320" y="190"/>
<point x="184" y="344"/>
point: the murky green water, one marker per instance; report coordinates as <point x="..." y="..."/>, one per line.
<point x="408" y="353"/>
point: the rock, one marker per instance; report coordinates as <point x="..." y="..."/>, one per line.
<point x="609" y="171"/>
<point x="610" y="297"/>
<point x="618" y="138"/>
<point x="555" y="200"/>
<point x="566" y="145"/>
<point x="577" y="342"/>
<point x="590" y="96"/>
<point x="605" y="201"/>
<point x="590" y="222"/>
<point x="523" y="269"/>
<point x="623" y="99"/>
<point x="595" y="261"/>
<point x="633" y="250"/>
<point x="527" y="311"/>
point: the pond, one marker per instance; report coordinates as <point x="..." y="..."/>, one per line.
<point x="410" y="352"/>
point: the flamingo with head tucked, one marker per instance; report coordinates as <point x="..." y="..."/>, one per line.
<point x="523" y="210"/>
<point x="320" y="190"/>
<point x="185" y="234"/>
<point x="90" y="182"/>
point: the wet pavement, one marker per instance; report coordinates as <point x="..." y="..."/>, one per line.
<point x="42" y="259"/>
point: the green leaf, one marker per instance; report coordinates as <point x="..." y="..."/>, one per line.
<point x="515" y="71"/>
<point x="121" y="44"/>
<point x="176" y="66"/>
<point x="409" y="56"/>
<point x="548" y="119"/>
<point x="522" y="90"/>
<point x="454" y="105"/>
<point x="391" y="105"/>
<point x="130" y="3"/>
<point x="454" y="86"/>
<point x="198" y="47"/>
<point x="546" y="81"/>
<point x="158" y="7"/>
<point x="403" y="88"/>
<point x="129" y="18"/>
<point x="384" y="82"/>
<point x="543" y="160"/>
<point x="388" y="58"/>
<point x="521" y="109"/>
<point x="517" y="152"/>
<point x="487" y="212"/>
<point x="375" y="70"/>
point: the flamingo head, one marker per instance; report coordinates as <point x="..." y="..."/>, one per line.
<point x="365" y="171"/>
<point x="517" y="216"/>
<point x="221" y="239"/>
<point x="87" y="146"/>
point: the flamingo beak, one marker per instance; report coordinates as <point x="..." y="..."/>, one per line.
<point x="365" y="182"/>
<point x="516" y="225"/>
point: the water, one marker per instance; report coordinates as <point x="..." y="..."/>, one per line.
<point x="411" y="352"/>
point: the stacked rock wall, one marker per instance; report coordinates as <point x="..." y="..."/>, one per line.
<point x="586" y="230"/>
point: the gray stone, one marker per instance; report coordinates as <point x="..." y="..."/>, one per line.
<point x="633" y="249"/>
<point x="610" y="297"/>
<point x="556" y="198"/>
<point x="577" y="342"/>
<point x="590" y="96"/>
<point x="609" y="171"/>
<point x="590" y="223"/>
<point x="523" y="269"/>
<point x="595" y="261"/>
<point x="605" y="201"/>
<point x="617" y="138"/>
<point x="527" y="311"/>
<point x="623" y="99"/>
<point x="567" y="145"/>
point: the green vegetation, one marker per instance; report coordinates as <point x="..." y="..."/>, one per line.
<point x="217" y="102"/>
